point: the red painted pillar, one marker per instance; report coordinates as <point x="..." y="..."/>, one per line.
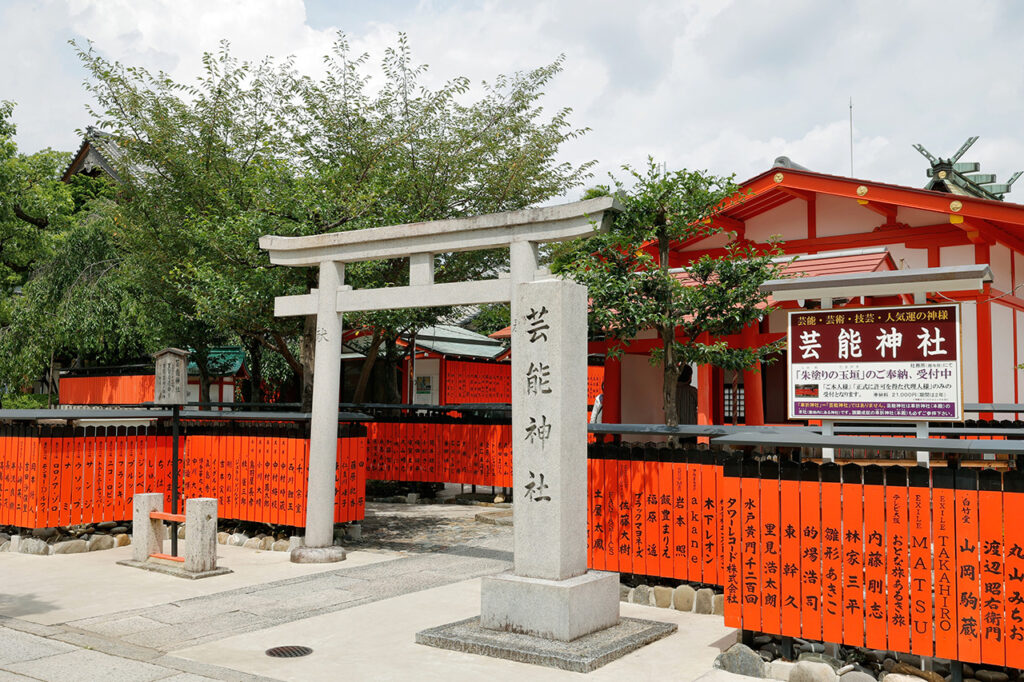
<point x="612" y="400"/>
<point x="984" y="336"/>
<point x="753" y="400"/>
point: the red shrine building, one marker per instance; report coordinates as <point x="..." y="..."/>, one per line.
<point x="833" y="225"/>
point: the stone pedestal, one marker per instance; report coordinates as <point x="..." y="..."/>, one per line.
<point x="553" y="609"/>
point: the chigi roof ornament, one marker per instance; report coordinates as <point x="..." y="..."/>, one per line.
<point x="962" y="177"/>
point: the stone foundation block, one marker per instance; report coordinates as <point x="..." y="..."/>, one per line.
<point x="562" y="610"/>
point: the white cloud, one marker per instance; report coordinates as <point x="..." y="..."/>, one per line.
<point x="723" y="85"/>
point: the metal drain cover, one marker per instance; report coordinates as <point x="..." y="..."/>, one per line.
<point x="289" y="651"/>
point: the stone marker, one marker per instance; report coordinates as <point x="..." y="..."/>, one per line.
<point x="149" y="532"/>
<point x="641" y="594"/>
<point x="31" y="546"/>
<point x="201" y="541"/>
<point x="171" y="377"/>
<point x="550" y="594"/>
<point x="100" y="542"/>
<point x="70" y="547"/>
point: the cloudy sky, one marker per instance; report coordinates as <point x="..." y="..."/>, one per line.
<point x="726" y="85"/>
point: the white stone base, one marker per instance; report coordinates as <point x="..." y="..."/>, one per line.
<point x="317" y="555"/>
<point x="563" y="610"/>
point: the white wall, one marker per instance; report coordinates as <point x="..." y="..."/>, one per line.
<point x="969" y="348"/>
<point x="1018" y="320"/>
<point x="842" y="216"/>
<point x="956" y="255"/>
<point x="1002" y="357"/>
<point x="908" y="258"/>
<point x="641" y="394"/>
<point x="788" y="220"/>
<point x="999" y="261"/>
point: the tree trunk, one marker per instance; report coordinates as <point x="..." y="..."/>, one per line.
<point x="307" y="351"/>
<point x="255" y="351"/>
<point x="202" y="358"/>
<point x="670" y="377"/>
<point x="364" y="374"/>
<point x="394" y="392"/>
<point x="670" y="364"/>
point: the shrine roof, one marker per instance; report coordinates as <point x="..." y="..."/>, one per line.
<point x="779" y="185"/>
<point x="877" y="259"/>
<point x="448" y="339"/>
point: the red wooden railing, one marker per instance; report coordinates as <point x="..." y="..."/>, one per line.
<point x="929" y="562"/>
<point x="60" y="476"/>
<point x="451" y="452"/>
<point x="655" y="512"/>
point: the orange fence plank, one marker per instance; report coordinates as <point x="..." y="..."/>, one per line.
<point x="810" y="551"/>
<point x="1013" y="508"/>
<point x="896" y="558"/>
<point x="680" y="516"/>
<point x="649" y="501"/>
<point x="694" y="530"/>
<point x="771" y="551"/>
<point x="874" y="557"/>
<point x="919" y="504"/>
<point x="853" y="555"/>
<point x="967" y="567"/>
<point x="46" y="497"/>
<point x="610" y="510"/>
<point x="666" y="530"/>
<point x="710" y="519"/>
<point x="789" y="521"/>
<point x="831" y="553"/>
<point x="596" y="522"/>
<point x="732" y="528"/>
<point x="944" y="538"/>
<point x="750" y="544"/>
<point x="991" y="578"/>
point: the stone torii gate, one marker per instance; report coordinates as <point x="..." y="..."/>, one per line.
<point x="520" y="231"/>
<point x="568" y="615"/>
<point x="551" y="594"/>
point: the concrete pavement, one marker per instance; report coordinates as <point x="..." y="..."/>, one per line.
<point x="83" y="617"/>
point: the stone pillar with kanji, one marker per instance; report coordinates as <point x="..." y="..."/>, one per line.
<point x="550" y="592"/>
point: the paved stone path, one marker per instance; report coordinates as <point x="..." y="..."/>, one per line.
<point x="434" y="545"/>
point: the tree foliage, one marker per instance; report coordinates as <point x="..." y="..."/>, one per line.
<point x="632" y="288"/>
<point x="256" y="148"/>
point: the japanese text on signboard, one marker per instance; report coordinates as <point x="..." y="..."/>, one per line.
<point x="875" y="363"/>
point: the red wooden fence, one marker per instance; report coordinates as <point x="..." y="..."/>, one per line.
<point x="927" y="561"/>
<point x="59" y="476"/>
<point x="450" y="452"/>
<point x="655" y="512"/>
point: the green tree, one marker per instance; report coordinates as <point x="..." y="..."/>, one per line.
<point x="632" y="288"/>
<point x="78" y="304"/>
<point x="34" y="204"/>
<point x="253" y="149"/>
